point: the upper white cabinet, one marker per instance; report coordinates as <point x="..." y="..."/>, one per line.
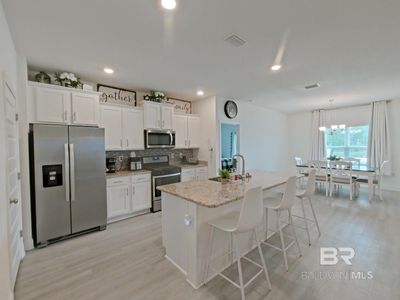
<point x="51" y="105"/>
<point x="187" y="131"/>
<point x="132" y="128"/>
<point x="60" y="105"/>
<point x="180" y="127"/>
<point x="85" y="109"/>
<point x="123" y="127"/>
<point x="111" y="121"/>
<point x="158" y="116"/>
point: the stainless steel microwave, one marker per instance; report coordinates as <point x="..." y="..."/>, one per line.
<point x="155" y="138"/>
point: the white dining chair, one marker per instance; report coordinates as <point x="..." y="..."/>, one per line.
<point x="322" y="173"/>
<point x="341" y="173"/>
<point x="378" y="180"/>
<point x="298" y="160"/>
<point x="235" y="223"/>
<point x="354" y="161"/>
<point x="280" y="205"/>
<point x="306" y="194"/>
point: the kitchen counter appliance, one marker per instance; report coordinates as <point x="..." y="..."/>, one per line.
<point x="68" y="182"/>
<point x="155" y="138"/>
<point x="162" y="173"/>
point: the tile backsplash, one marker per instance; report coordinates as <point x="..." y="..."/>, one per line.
<point x="175" y="155"/>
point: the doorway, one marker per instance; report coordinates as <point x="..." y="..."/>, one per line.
<point x="229" y="144"/>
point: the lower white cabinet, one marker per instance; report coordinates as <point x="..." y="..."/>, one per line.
<point x="193" y="174"/>
<point x="127" y="195"/>
<point x="118" y="197"/>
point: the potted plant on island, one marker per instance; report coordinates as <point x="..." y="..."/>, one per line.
<point x="225" y="175"/>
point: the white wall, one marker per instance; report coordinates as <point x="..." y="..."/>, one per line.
<point x="300" y="133"/>
<point x="263" y="136"/>
<point x="8" y="67"/>
<point x="206" y="109"/>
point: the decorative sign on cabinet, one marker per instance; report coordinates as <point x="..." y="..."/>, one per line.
<point x="114" y="95"/>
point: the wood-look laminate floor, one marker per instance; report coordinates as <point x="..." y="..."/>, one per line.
<point x="127" y="261"/>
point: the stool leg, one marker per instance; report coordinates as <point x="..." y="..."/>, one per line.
<point x="262" y="259"/>
<point x="230" y="248"/>
<point x="294" y="231"/>
<point x="239" y="267"/>
<point x="305" y="220"/>
<point x="209" y="253"/>
<point x="266" y="223"/>
<point x="282" y="241"/>
<point x="315" y="216"/>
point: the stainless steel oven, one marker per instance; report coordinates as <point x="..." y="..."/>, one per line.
<point x="159" y="181"/>
<point x="155" y="138"/>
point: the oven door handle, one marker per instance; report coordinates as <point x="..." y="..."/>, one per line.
<point x="168" y="175"/>
<point x="172" y="138"/>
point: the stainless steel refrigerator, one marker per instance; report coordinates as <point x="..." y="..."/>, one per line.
<point x="68" y="184"/>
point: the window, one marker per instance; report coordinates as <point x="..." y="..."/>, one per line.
<point x="350" y="142"/>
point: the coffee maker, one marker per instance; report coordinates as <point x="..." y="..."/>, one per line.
<point x="111" y="163"/>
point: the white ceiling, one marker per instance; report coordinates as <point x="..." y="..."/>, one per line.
<point x="352" y="48"/>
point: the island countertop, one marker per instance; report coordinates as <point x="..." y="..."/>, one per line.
<point x="213" y="194"/>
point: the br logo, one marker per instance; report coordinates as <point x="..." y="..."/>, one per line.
<point x="329" y="256"/>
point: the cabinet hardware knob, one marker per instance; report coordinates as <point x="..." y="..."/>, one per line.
<point x="14" y="201"/>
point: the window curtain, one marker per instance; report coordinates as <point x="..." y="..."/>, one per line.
<point x="378" y="140"/>
<point x="317" y="136"/>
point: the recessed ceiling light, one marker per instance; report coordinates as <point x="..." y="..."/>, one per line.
<point x="108" y="70"/>
<point x="168" y="4"/>
<point x="276" y="67"/>
<point x="200" y="93"/>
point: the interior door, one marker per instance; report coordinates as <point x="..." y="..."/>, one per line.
<point x="13" y="183"/>
<point x="88" y="180"/>
<point x="180" y="128"/>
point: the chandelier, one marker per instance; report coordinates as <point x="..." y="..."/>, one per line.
<point x="333" y="127"/>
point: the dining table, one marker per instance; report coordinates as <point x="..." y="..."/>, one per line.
<point x="359" y="171"/>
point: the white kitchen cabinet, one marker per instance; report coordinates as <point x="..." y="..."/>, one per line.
<point x="193" y="132"/>
<point x="187" y="131"/>
<point x="52" y="105"/>
<point x="167" y="116"/>
<point x="132" y="128"/>
<point x="111" y="121"/>
<point x="158" y="116"/>
<point x="180" y="128"/>
<point x="123" y="127"/>
<point x="193" y="174"/>
<point x="202" y="173"/>
<point x="118" y="197"/>
<point x="141" y="192"/>
<point x="85" y="109"/>
<point x="188" y="174"/>
<point x="128" y="196"/>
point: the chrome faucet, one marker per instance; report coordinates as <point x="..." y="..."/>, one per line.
<point x="243" y="163"/>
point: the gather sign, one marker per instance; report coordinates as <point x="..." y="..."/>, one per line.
<point x="114" y="95"/>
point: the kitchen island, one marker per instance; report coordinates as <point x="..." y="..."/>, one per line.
<point x="187" y="207"/>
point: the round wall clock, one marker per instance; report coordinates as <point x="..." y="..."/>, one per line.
<point x="231" y="109"/>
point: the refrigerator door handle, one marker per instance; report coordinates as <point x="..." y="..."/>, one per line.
<point x="72" y="171"/>
<point x="66" y="172"/>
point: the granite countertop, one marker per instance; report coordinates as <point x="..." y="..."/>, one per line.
<point x="190" y="166"/>
<point x="213" y="194"/>
<point x="126" y="173"/>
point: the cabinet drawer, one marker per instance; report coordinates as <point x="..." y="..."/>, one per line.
<point x="188" y="172"/>
<point x="118" y="180"/>
<point x="140" y="178"/>
<point x="201" y="170"/>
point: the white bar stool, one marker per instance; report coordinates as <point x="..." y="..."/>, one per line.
<point x="279" y="205"/>
<point x="247" y="220"/>
<point x="307" y="194"/>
